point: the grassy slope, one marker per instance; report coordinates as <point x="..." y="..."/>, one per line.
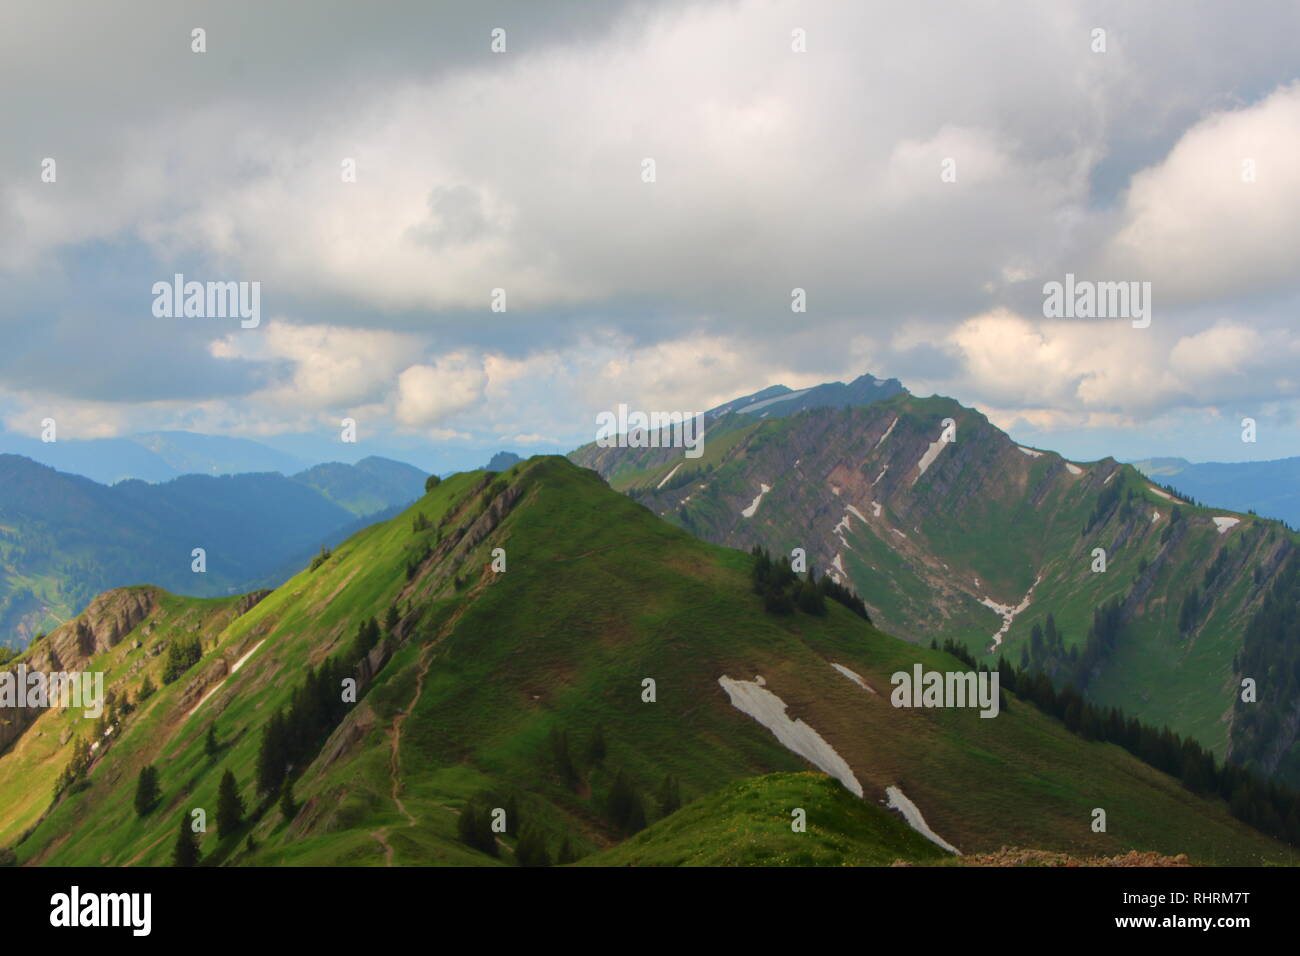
<point x="750" y="824"/>
<point x="599" y="595"/>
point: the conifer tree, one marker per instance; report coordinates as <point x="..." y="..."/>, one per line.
<point x="273" y="755"/>
<point x="186" y="850"/>
<point x="670" y="796"/>
<point x="230" y="806"/>
<point x="531" y="850"/>
<point x="287" y="805"/>
<point x="624" y="806"/>
<point x="566" y="853"/>
<point x="210" y="745"/>
<point x="596" y="748"/>
<point x="147" y="793"/>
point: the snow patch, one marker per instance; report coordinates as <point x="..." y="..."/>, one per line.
<point x="1008" y="612"/>
<point x="888" y="432"/>
<point x="881" y="475"/>
<point x="749" y="512"/>
<point x="667" y="476"/>
<point x="899" y="533"/>
<point x="1163" y="494"/>
<point x="772" y="401"/>
<point x="1073" y="468"/>
<point x="875" y="508"/>
<point x="838" y="563"/>
<point x="1226" y="523"/>
<point x="1155" y="516"/>
<point x="858" y="514"/>
<point x="221" y="683"/>
<point x="1030" y="452"/>
<point x="854" y="677"/>
<point x="928" y="458"/>
<point x="912" y="814"/>
<point x="795" y="735"/>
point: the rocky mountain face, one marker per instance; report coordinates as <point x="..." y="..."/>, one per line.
<point x="949" y="530"/>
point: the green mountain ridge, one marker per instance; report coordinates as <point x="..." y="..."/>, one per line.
<point x="491" y="689"/>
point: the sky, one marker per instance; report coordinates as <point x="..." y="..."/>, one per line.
<point x="643" y="186"/>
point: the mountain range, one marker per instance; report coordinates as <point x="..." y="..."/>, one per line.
<point x="65" y="538"/>
<point x="556" y="658"/>
<point x="1268" y="488"/>
<point x="152" y="456"/>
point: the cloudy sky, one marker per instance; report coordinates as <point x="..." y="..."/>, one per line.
<point x="794" y="145"/>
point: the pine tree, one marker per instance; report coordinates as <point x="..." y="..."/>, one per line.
<point x="287" y="805"/>
<point x="467" y="825"/>
<point x="273" y="755"/>
<point x="531" y="850"/>
<point x="670" y="796"/>
<point x="563" y="759"/>
<point x="147" y="793"/>
<point x="146" y="690"/>
<point x="566" y="853"/>
<point x="391" y="619"/>
<point x="230" y="807"/>
<point x="475" y="829"/>
<point x="186" y="850"/>
<point x="624" y="806"/>
<point x="596" y="748"/>
<point x="210" y="745"/>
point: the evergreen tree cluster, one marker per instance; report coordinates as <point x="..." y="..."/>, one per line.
<point x="1107" y="500"/>
<point x="475" y="828"/>
<point x="1047" y="652"/>
<point x="1270" y="654"/>
<point x="290" y="740"/>
<point x="367" y="637"/>
<point x="325" y="555"/>
<point x="783" y="590"/>
<point x="182" y="654"/>
<point x="73" y="774"/>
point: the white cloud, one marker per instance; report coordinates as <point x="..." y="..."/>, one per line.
<point x="429" y="394"/>
<point x="1197" y="228"/>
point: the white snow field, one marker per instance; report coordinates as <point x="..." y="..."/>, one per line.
<point x="667" y="476"/>
<point x="853" y="677"/>
<point x="795" y="735"/>
<point x="912" y="814"/>
<point x="749" y="512"/>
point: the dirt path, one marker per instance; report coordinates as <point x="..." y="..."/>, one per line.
<point x="136" y="859"/>
<point x="388" y="847"/>
<point x="394" y="759"/>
